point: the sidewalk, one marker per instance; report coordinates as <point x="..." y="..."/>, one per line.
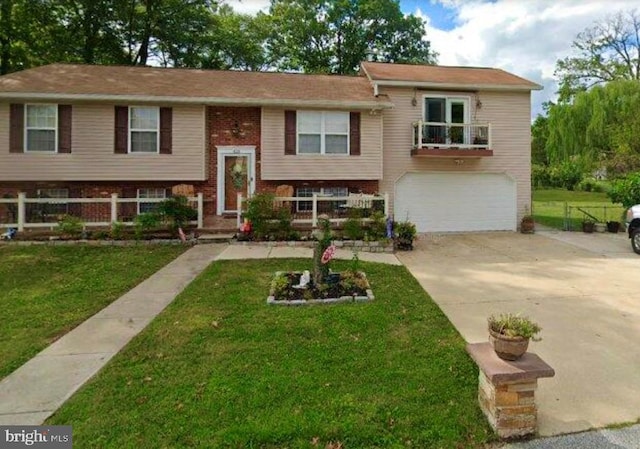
<point x="35" y="390"/>
<point x="242" y="252"/>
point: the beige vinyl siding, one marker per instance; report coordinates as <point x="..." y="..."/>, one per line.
<point x="92" y="155"/>
<point x="510" y="116"/>
<point x="278" y="166"/>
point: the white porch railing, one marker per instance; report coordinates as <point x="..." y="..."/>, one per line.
<point x="305" y="209"/>
<point x="93" y="211"/>
<point x="451" y="135"/>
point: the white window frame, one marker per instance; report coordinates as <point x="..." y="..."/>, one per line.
<point x="323" y="134"/>
<point x="449" y="100"/>
<point x="58" y="193"/>
<point x="156" y="189"/>
<point x="321" y="191"/>
<point x="27" y="128"/>
<point x="131" y="130"/>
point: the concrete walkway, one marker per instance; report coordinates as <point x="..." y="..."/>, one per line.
<point x="243" y="252"/>
<point x="582" y="289"/>
<point x="35" y="390"/>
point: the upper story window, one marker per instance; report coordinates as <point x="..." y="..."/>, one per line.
<point x="144" y="129"/>
<point x="41" y="127"/>
<point x="322" y="132"/>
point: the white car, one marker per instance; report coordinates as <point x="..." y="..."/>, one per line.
<point x="633" y="227"/>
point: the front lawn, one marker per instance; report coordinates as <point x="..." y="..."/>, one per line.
<point x="47" y="290"/>
<point x="550" y="207"/>
<point x="221" y="368"/>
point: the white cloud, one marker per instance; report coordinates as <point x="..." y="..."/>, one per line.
<point x="525" y="37"/>
<point x="249" y="6"/>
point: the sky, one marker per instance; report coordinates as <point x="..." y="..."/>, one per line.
<point x="525" y="37"/>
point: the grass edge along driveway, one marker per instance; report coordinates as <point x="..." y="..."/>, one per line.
<point x="221" y="368"/>
<point x="45" y="291"/>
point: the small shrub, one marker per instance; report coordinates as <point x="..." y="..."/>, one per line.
<point x="377" y="226"/>
<point x="512" y="325"/>
<point x="540" y="176"/>
<point x="352" y="229"/>
<point x="177" y="212"/>
<point x="405" y="233"/>
<point x="144" y="222"/>
<point x="70" y="226"/>
<point x="261" y="212"/>
<point x="101" y="234"/>
<point x="566" y="175"/>
<point x="117" y="230"/>
<point x="593" y="185"/>
<point x="280" y="286"/>
<point x="626" y="190"/>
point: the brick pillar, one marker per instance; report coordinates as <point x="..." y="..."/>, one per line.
<point x="506" y="390"/>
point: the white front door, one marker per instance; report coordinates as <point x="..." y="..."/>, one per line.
<point x="236" y="174"/>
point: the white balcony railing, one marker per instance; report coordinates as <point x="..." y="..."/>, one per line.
<point x="451" y="135"/>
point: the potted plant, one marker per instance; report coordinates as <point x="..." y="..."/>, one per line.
<point x="405" y="233"/>
<point x="509" y="334"/>
<point x="527" y="225"/>
<point x="613" y="226"/>
<point x="588" y="225"/>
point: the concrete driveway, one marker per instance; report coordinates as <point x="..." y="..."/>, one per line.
<point x="583" y="289"/>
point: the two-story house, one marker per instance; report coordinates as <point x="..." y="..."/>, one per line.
<point x="450" y="145"/>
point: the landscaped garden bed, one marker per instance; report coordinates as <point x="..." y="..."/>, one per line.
<point x="346" y="286"/>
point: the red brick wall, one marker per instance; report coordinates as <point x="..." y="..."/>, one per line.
<point x="221" y="121"/>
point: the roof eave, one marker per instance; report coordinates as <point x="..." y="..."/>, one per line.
<point x="456" y="86"/>
<point x="278" y="102"/>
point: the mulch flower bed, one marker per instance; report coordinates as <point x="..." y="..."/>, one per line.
<point x="347" y="286"/>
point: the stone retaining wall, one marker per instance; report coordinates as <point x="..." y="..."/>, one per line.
<point x="357" y="245"/>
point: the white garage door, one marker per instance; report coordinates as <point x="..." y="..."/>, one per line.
<point x="444" y="202"/>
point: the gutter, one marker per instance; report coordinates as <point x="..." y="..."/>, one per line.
<point x="373" y="105"/>
<point x="456" y="86"/>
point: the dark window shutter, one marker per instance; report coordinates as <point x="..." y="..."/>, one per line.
<point x="290" y="132"/>
<point x="122" y="130"/>
<point x="166" y="138"/>
<point x="354" y="134"/>
<point x="16" y="132"/>
<point x="64" y="128"/>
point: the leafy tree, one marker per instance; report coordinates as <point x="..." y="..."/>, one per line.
<point x="335" y="36"/>
<point x="601" y="125"/>
<point x="608" y="51"/>
<point x="626" y="190"/>
<point x="539" y="136"/>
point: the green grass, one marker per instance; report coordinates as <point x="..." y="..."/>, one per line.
<point x="221" y="368"/>
<point x="47" y="290"/>
<point x="549" y="207"/>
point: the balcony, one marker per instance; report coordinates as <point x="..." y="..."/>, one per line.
<point x="439" y="139"/>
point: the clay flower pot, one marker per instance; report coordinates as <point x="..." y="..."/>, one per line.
<point x="508" y="348"/>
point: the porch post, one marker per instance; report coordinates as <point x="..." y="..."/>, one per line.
<point x="200" y="210"/>
<point x="386" y="205"/>
<point x="22" y="196"/>
<point x="314" y="210"/>
<point x="239" y="211"/>
<point x="114" y="207"/>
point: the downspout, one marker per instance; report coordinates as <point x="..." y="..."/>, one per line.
<point x="375" y="90"/>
